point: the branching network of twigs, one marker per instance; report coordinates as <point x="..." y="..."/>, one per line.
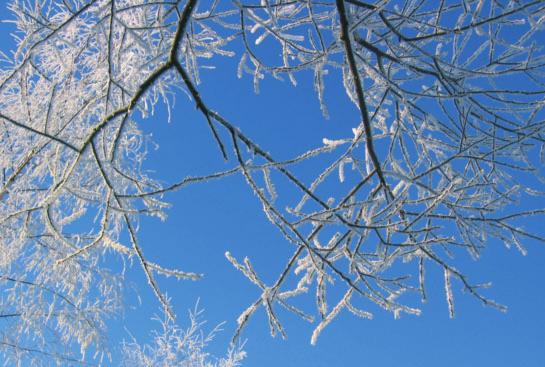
<point x="450" y="97"/>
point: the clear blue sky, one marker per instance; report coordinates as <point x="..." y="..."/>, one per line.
<point x="207" y="220"/>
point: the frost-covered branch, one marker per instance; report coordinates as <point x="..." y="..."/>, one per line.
<point x="448" y="139"/>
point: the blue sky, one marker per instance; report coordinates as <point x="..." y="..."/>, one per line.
<point x="207" y="220"/>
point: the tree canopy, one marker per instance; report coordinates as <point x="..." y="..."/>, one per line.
<point x="448" y="140"/>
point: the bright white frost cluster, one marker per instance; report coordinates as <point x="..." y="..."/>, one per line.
<point x="433" y="167"/>
<point x="172" y="346"/>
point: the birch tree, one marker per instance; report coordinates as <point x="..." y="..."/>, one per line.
<point x="173" y="346"/>
<point x="449" y="96"/>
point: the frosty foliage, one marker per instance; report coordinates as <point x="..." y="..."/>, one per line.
<point x="173" y="346"/>
<point x="450" y="95"/>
